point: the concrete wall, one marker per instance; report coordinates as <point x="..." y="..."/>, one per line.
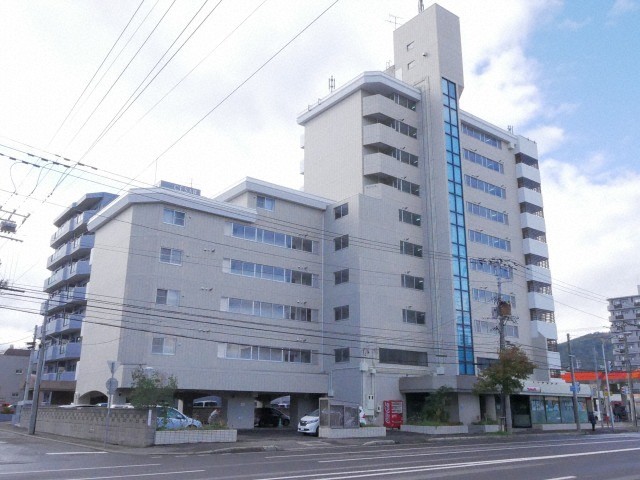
<point x="130" y="427"/>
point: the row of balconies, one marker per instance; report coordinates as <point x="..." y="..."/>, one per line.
<point x="78" y="247"/>
<point x="65" y="323"/>
<point x="63" y="351"/>
<point x="72" y="273"/>
<point x="60" y="376"/>
<point x="63" y="299"/>
<point x="67" y="230"/>
<point x="623" y="304"/>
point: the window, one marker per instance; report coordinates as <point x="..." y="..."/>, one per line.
<point x="552" y="345"/>
<point x="173" y="217"/>
<point x="341" y="211"/>
<point x="266" y="203"/>
<point x="484" y="161"/>
<point x="171" y="255"/>
<point x="341" y="276"/>
<point x="485" y="296"/>
<point x="490" y="240"/>
<point x="538" y="315"/>
<point x="168" y="297"/>
<point x="555" y="373"/>
<point x="267" y="354"/>
<point x="163" y="346"/>
<point x="403" y="357"/>
<point x="413" y="316"/>
<point x="410" y="46"/>
<point x="484" y="362"/>
<point x="485" y="187"/>
<point x="493" y="215"/>
<point x="490" y="268"/>
<point x="411" y="64"/>
<point x="482" y="136"/>
<point x="409" y="217"/>
<point x="341" y="242"/>
<point x="268" y="272"/>
<point x="403" y="101"/>
<point x="254" y="234"/>
<point x="19" y="371"/>
<point x="401" y="184"/>
<point x="409" y="281"/>
<point x="483" y="326"/>
<point x="341" y="355"/>
<point x="412" y="249"/>
<point x="341" y="313"/>
<point x="268" y="310"/>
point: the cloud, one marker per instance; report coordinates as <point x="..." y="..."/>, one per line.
<point x="548" y="138"/>
<point x="592" y="232"/>
<point x="621" y="8"/>
<point x="574" y="25"/>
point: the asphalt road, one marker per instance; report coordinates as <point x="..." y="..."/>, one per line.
<point x="527" y="457"/>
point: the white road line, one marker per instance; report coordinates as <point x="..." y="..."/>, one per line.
<point x="142" y="475"/>
<point x="447" y="466"/>
<point x="82" y="468"/>
<point x="618" y="438"/>
<point x="72" y="453"/>
<point x="562" y="478"/>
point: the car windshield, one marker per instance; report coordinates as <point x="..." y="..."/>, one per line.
<point x="315" y="413"/>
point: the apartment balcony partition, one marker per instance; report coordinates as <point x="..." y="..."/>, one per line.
<point x="529" y="220"/>
<point x="68" y="229"/>
<point x="59" y="376"/>
<point x="76" y="248"/>
<point x="374" y="105"/>
<point x="379" y="135"/>
<point x="65" y="323"/>
<point x="526" y="171"/>
<point x="380" y="163"/>
<point x="540" y="301"/>
<point x="535" y="247"/>
<point x="67" y="351"/>
<point x="63" y="299"/>
<point x="70" y="273"/>
<point x="526" y="195"/>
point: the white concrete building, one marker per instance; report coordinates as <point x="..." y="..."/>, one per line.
<point x="378" y="282"/>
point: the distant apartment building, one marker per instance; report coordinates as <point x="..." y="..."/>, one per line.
<point x="380" y="281"/>
<point x="64" y="310"/>
<point x="624" y="315"/>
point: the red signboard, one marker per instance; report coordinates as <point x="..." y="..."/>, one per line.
<point x="392" y="413"/>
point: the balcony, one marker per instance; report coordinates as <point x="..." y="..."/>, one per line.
<point x="60" y="377"/>
<point x="529" y="220"/>
<point x="526" y="171"/>
<point x="375" y="105"/>
<point x="79" y="247"/>
<point x="75" y="272"/>
<point x="74" y="296"/>
<point x="67" y="351"/>
<point x="64" y="323"/>
<point x="526" y="195"/>
<point x="379" y="135"/>
<point x="68" y="229"/>
<point x="539" y="274"/>
<point x="379" y="163"/>
<point x="540" y="301"/>
<point x="535" y="247"/>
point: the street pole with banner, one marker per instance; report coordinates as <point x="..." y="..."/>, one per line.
<point x="112" y="385"/>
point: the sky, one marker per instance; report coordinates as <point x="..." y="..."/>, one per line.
<point x="563" y="73"/>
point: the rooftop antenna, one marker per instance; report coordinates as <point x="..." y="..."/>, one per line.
<point x="510" y="128"/>
<point x="394" y="20"/>
<point x="420" y="6"/>
<point x="332" y="84"/>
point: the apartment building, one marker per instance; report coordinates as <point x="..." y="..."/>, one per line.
<point x="379" y="281"/>
<point x="13" y="371"/>
<point x="624" y="315"/>
<point x="64" y="310"/>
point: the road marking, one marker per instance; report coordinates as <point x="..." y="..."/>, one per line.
<point x="562" y="478"/>
<point x="72" y="453"/>
<point x="82" y="468"/>
<point x="142" y="475"/>
<point x="446" y="466"/>
<point x="431" y="454"/>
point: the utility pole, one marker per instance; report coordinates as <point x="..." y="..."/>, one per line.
<point x="595" y="365"/>
<point x="606" y="376"/>
<point x="627" y="362"/>
<point x="36" y="387"/>
<point x="27" y="377"/>
<point x="503" y="314"/>
<point x="574" y="386"/>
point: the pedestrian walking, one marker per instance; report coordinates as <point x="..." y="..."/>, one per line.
<point x="592" y="419"/>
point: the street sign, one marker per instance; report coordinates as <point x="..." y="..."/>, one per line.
<point x="577" y="387"/>
<point x="112" y="385"/>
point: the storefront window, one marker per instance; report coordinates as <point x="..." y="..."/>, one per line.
<point x="537" y="410"/>
<point x="566" y="408"/>
<point x="552" y="409"/>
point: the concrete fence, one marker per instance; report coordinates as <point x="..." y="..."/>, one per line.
<point x="130" y="427"/>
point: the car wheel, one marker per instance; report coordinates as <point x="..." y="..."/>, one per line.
<point x="285" y="422"/>
<point x="191" y="427"/>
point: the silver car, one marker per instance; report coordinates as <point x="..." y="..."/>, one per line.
<point x="171" y="419"/>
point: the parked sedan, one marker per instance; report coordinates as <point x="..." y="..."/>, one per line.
<point x="270" y="417"/>
<point x="172" y="419"/>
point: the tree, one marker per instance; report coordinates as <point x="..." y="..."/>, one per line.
<point x="506" y="376"/>
<point x="152" y="388"/>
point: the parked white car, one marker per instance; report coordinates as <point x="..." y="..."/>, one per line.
<point x="311" y="421"/>
<point x="172" y="419"/>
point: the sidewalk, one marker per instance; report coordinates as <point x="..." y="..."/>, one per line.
<point x="289" y="440"/>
